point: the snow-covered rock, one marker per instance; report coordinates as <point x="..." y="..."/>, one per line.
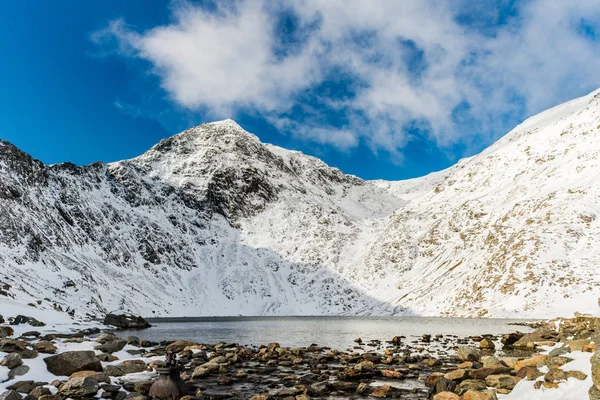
<point x="213" y="222"/>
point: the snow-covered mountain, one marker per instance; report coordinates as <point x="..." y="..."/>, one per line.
<point x="213" y="222"/>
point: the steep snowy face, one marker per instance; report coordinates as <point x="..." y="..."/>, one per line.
<point x="513" y="230"/>
<point x="213" y="222"/>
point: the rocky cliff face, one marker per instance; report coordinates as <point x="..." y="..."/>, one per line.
<point x="213" y="222"/>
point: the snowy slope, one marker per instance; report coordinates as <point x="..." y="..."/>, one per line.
<point x="213" y="222"/>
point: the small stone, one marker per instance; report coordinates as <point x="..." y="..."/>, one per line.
<point x="200" y="372"/>
<point x="547" y="385"/>
<point x="112" y="346"/>
<point x="529" y="373"/>
<point x="45" y="347"/>
<point x="113" y="370"/>
<point x="180" y="345"/>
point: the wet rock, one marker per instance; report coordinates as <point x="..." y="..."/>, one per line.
<point x="45" y="347"/>
<point x="124" y="321"/>
<point x="11" y="361"/>
<point x="468" y="354"/>
<point x="79" y="387"/>
<point x="67" y="363"/>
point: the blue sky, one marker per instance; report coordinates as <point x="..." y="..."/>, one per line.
<point x="378" y="89"/>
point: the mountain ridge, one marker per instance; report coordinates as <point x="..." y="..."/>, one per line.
<point x="213" y="222"/>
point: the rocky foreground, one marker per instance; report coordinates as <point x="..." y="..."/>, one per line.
<point x="552" y="362"/>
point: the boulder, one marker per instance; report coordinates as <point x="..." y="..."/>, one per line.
<point x="468" y="354"/>
<point x="470" y="385"/>
<point x="124" y="321"/>
<point x="106" y="337"/>
<point x="112" y="347"/>
<point x="98" y="376"/>
<point x="11" y="361"/>
<point x="133" y="366"/>
<point x="18" y="371"/>
<point x="113" y="370"/>
<point x="594" y="393"/>
<point x="80" y="387"/>
<point x="67" y="363"/>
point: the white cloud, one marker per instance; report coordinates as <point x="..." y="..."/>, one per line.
<point x="225" y="60"/>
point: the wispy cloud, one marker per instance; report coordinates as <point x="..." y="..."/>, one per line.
<point x="462" y="73"/>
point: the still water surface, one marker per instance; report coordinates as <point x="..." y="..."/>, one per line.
<point x="336" y="332"/>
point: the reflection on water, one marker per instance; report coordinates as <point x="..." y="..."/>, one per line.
<point x="336" y="332"/>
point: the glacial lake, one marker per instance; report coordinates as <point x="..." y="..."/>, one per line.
<point x="333" y="331"/>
